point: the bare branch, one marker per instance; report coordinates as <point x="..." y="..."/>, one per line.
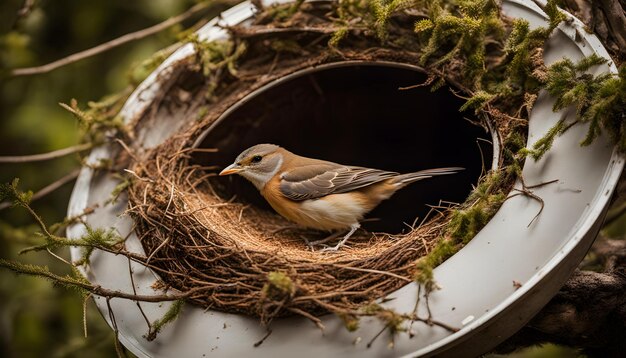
<point x="46" y="156"/>
<point x="49" y="188"/>
<point x="94" y="289"/>
<point x="255" y="31"/>
<point x="133" y="36"/>
<point x="23" y="12"/>
<point x="616" y="19"/>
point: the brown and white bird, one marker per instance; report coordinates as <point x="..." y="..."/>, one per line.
<point x="319" y="194"/>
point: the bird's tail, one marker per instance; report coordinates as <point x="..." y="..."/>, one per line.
<point x="405" y="179"/>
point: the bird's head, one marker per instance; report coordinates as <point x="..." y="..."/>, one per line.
<point x="258" y="164"/>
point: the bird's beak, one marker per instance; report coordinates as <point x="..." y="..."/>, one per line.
<point x="231" y="169"/>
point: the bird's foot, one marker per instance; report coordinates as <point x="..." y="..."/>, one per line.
<point x="339" y="245"/>
<point x="343" y="240"/>
<point x="312" y="244"/>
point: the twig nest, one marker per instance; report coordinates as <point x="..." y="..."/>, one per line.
<point x="195" y="239"/>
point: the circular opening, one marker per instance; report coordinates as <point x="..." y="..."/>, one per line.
<point x="356" y="114"/>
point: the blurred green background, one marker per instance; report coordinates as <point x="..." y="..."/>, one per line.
<point x="36" y="319"/>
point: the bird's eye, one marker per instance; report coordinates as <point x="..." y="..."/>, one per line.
<point x="256" y="159"/>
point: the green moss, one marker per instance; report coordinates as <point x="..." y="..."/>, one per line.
<point x="337" y="37"/>
<point x="477" y="102"/>
<point x="459" y="31"/>
<point x="10" y="192"/>
<point x="394" y="322"/>
<point x="286" y="46"/>
<point x="278" y="286"/>
<point x="68" y="281"/>
<point x="524" y="49"/>
<point x="101" y="118"/>
<point x="465" y="222"/>
<point x="172" y="313"/>
<point x="600" y="102"/>
<point x="423" y="26"/>
<point x="350" y="321"/>
<point x="202" y="112"/>
<point x="383" y="9"/>
<point x="124" y="183"/>
<point x="444" y="249"/>
<point x="95" y="238"/>
<point x="215" y="58"/>
<point x="282" y="12"/>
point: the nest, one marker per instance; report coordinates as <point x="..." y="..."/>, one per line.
<point x="237" y="257"/>
<point x="230" y="250"/>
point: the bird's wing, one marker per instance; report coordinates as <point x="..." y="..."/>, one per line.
<point x="317" y="180"/>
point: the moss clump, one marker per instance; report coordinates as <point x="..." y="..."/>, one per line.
<point x="100" y="119"/>
<point x="393" y="321"/>
<point x="10" y="192"/>
<point x="465" y="222"/>
<point x="459" y="30"/>
<point x="477" y="102"/>
<point x="600" y="102"/>
<point x="172" y="313"/>
<point x="383" y="9"/>
<point x="217" y="59"/>
<point x="278" y="287"/>
<point x="350" y="321"/>
<point x="524" y="49"/>
<point x="444" y="249"/>
<point x="485" y="200"/>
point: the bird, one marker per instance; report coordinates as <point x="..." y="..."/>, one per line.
<point x="319" y="194"/>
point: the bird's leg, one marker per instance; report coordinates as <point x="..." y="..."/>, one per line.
<point x="322" y="241"/>
<point x="353" y="228"/>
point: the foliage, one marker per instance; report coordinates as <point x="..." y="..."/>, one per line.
<point x="76" y="281"/>
<point x="460" y="32"/>
<point x="600" y="102"/>
<point x="215" y="57"/>
<point x="101" y="118"/>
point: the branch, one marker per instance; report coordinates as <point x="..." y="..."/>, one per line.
<point x="614" y="13"/>
<point x="46" y="156"/>
<point x="589" y="311"/>
<point x="48" y="188"/>
<point x="133" y="36"/>
<point x="23" y="12"/>
<point x="254" y="31"/>
<point x="81" y="283"/>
